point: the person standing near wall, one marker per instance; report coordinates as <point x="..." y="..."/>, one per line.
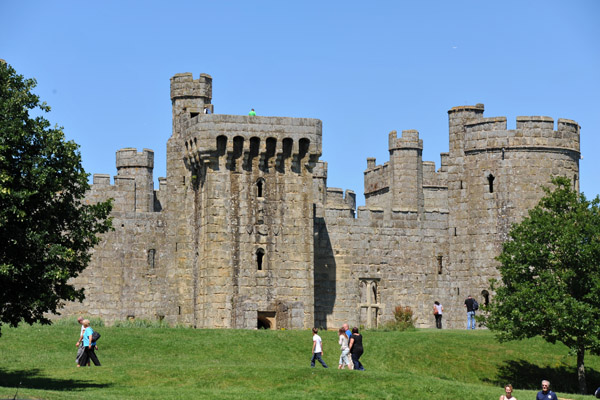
<point x="437" y="313"/>
<point x="470" y="305"/>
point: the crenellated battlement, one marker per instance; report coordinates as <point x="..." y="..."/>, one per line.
<point x="376" y="177"/>
<point x="486" y="125"/>
<point x="408" y="140"/>
<point x="339" y="200"/>
<point x="209" y="137"/>
<point x="533" y="132"/>
<point x="133" y="189"/>
<point x="190" y="97"/>
<point x="185" y="86"/>
<point x="131" y="158"/>
<point x="477" y="109"/>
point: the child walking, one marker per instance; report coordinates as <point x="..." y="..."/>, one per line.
<point x="317" y="349"/>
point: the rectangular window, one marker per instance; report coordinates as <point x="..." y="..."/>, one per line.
<point x="151" y="257"/>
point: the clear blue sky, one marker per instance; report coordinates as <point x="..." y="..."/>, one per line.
<point x="363" y="68"/>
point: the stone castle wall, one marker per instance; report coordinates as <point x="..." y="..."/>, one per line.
<point x="244" y="232"/>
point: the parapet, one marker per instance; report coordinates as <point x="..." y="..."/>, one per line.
<point x="371" y="162"/>
<point x="101" y="179"/>
<point x="184" y="86"/>
<point x="337" y="199"/>
<point x="444" y="158"/>
<point x="376" y="177"/>
<point x="477" y="109"/>
<point x="535" y="122"/>
<point x="320" y="170"/>
<point x="214" y="135"/>
<point x="130" y="158"/>
<point x="409" y="140"/>
<point x="532" y="132"/>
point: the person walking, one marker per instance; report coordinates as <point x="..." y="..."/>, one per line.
<point x="89" y="346"/>
<point x="79" y="344"/>
<point x="546" y="393"/>
<point x="470" y="305"/>
<point x="356" y="349"/>
<point x="348" y="331"/>
<point x="343" y="341"/>
<point x="437" y="313"/>
<point x="508" y="389"/>
<point x="317" y="349"/>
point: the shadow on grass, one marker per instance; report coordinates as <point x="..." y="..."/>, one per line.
<point x="525" y="375"/>
<point x="31" y="379"/>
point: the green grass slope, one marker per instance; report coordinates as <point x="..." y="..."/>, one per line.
<point x="161" y="363"/>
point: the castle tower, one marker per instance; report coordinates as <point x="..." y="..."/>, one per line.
<point x="406" y="180"/>
<point x="240" y="213"/>
<point x="139" y="166"/>
<point x="190" y="96"/>
<point x="497" y="175"/>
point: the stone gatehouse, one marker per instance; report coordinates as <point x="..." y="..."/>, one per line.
<point x="243" y="232"/>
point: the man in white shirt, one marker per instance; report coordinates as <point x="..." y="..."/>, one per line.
<point x="317" y="349"/>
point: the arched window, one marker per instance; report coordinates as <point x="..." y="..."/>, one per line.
<point x="486" y="297"/>
<point x="260" y="254"/>
<point x="374" y="292"/>
<point x="260" y="187"/>
<point x="490" y="179"/>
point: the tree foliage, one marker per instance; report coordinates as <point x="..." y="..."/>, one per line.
<point x="550" y="275"/>
<point x="46" y="230"/>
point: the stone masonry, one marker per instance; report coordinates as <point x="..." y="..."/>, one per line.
<point x="244" y="232"/>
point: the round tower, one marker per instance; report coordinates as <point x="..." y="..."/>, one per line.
<point x="496" y="181"/>
<point x="406" y="180"/>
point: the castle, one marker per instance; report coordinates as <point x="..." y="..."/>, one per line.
<point x="244" y="232"/>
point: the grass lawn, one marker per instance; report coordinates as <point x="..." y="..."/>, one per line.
<point x="179" y="363"/>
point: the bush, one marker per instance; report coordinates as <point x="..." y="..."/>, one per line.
<point x="404" y="319"/>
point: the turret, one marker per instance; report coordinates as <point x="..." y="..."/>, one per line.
<point x="457" y="118"/>
<point x="190" y="96"/>
<point x="407" y="171"/>
<point x="138" y="166"/>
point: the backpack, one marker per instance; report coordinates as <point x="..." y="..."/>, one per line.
<point x="95" y="337"/>
<point x="475" y="305"/>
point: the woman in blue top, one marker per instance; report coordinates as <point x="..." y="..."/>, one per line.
<point x="88" y="345"/>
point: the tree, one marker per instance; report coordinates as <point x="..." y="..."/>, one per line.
<point x="46" y="230"/>
<point x="550" y="275"/>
